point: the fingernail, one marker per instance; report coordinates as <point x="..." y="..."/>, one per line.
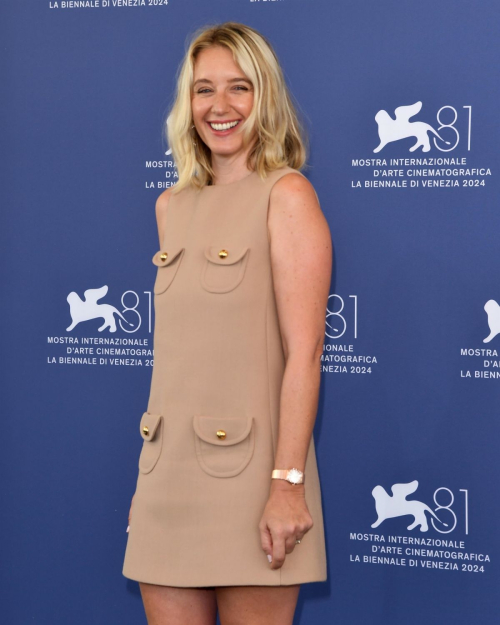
<point x="269" y="557"/>
<point x="128" y="527"/>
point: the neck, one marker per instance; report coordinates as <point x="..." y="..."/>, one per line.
<point x="229" y="169"/>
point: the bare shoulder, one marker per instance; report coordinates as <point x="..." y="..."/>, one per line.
<point x="291" y="182"/>
<point x="293" y="202"/>
<point x="162" y="202"/>
<point x="161" y="211"/>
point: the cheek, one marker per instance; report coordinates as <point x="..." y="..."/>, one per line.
<point x="249" y="105"/>
<point x="197" y="108"/>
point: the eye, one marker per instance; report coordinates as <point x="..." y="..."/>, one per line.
<point x="203" y="90"/>
<point x="241" y="87"/>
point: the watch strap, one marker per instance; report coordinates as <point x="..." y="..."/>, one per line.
<point x="294" y="476"/>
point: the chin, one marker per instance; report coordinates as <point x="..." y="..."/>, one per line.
<point x="230" y="149"/>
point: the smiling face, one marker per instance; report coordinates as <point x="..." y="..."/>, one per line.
<point x="221" y="100"/>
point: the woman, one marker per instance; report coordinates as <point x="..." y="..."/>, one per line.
<point x="227" y="510"/>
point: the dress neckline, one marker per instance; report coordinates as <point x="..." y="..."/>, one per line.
<point x="230" y="184"/>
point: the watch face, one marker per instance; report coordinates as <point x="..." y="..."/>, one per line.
<point x="294" y="476"/>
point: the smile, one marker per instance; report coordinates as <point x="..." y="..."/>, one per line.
<point x="221" y="126"/>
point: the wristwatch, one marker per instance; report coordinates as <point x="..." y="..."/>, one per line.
<point x="294" y="476"/>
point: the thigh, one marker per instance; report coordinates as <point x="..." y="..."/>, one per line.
<point x="166" y="605"/>
<point x="257" y="605"/>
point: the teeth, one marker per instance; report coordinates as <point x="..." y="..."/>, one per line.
<point x="223" y="126"/>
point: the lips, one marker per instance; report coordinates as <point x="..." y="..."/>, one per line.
<point x="225" y="131"/>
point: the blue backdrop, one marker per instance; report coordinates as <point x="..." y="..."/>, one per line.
<point x="410" y="384"/>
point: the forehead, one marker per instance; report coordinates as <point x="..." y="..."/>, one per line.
<point x="216" y="61"/>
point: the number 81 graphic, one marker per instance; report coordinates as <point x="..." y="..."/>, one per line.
<point x="448" y="508"/>
<point x="336" y="324"/>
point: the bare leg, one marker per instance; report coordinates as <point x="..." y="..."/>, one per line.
<point x="166" y="605"/>
<point x="257" y="605"/>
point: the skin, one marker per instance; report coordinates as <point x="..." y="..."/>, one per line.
<point x="301" y="283"/>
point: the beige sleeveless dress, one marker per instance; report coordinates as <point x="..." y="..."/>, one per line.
<point x="211" y="427"/>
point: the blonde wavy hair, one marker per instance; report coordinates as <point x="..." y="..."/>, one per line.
<point x="281" y="137"/>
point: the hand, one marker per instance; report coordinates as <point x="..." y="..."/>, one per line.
<point x="130" y="513"/>
<point x="285" y="519"/>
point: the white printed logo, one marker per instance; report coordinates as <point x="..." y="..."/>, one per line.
<point x="388" y="507"/>
<point x="493" y="311"/>
<point x="89" y="309"/>
<point x="390" y="130"/>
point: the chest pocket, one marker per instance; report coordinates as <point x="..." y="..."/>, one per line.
<point x="224" y="445"/>
<point x="223" y="268"/>
<point x="168" y="262"/>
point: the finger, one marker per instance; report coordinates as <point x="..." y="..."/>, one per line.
<point x="299" y="535"/>
<point x="290" y="544"/>
<point x="278" y="551"/>
<point x="266" y="542"/>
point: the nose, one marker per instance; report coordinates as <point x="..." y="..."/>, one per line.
<point x="220" y="103"/>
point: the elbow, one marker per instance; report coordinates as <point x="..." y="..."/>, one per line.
<point x="309" y="352"/>
<point x="318" y="350"/>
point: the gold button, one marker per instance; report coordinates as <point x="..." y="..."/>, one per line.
<point x="223" y="253"/>
<point x="164" y="256"/>
<point x="221" y="434"/>
<point x="145" y="429"/>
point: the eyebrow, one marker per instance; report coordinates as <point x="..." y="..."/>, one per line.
<point x="205" y="80"/>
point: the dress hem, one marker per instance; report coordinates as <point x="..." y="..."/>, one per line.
<point x="222" y="585"/>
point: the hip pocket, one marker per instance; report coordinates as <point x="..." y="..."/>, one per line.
<point x="224" y="445"/>
<point x="223" y="269"/>
<point x="151" y="428"/>
<point x="168" y="262"/>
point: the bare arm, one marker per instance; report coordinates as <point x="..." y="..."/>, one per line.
<point x="301" y="259"/>
<point x="161" y="213"/>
